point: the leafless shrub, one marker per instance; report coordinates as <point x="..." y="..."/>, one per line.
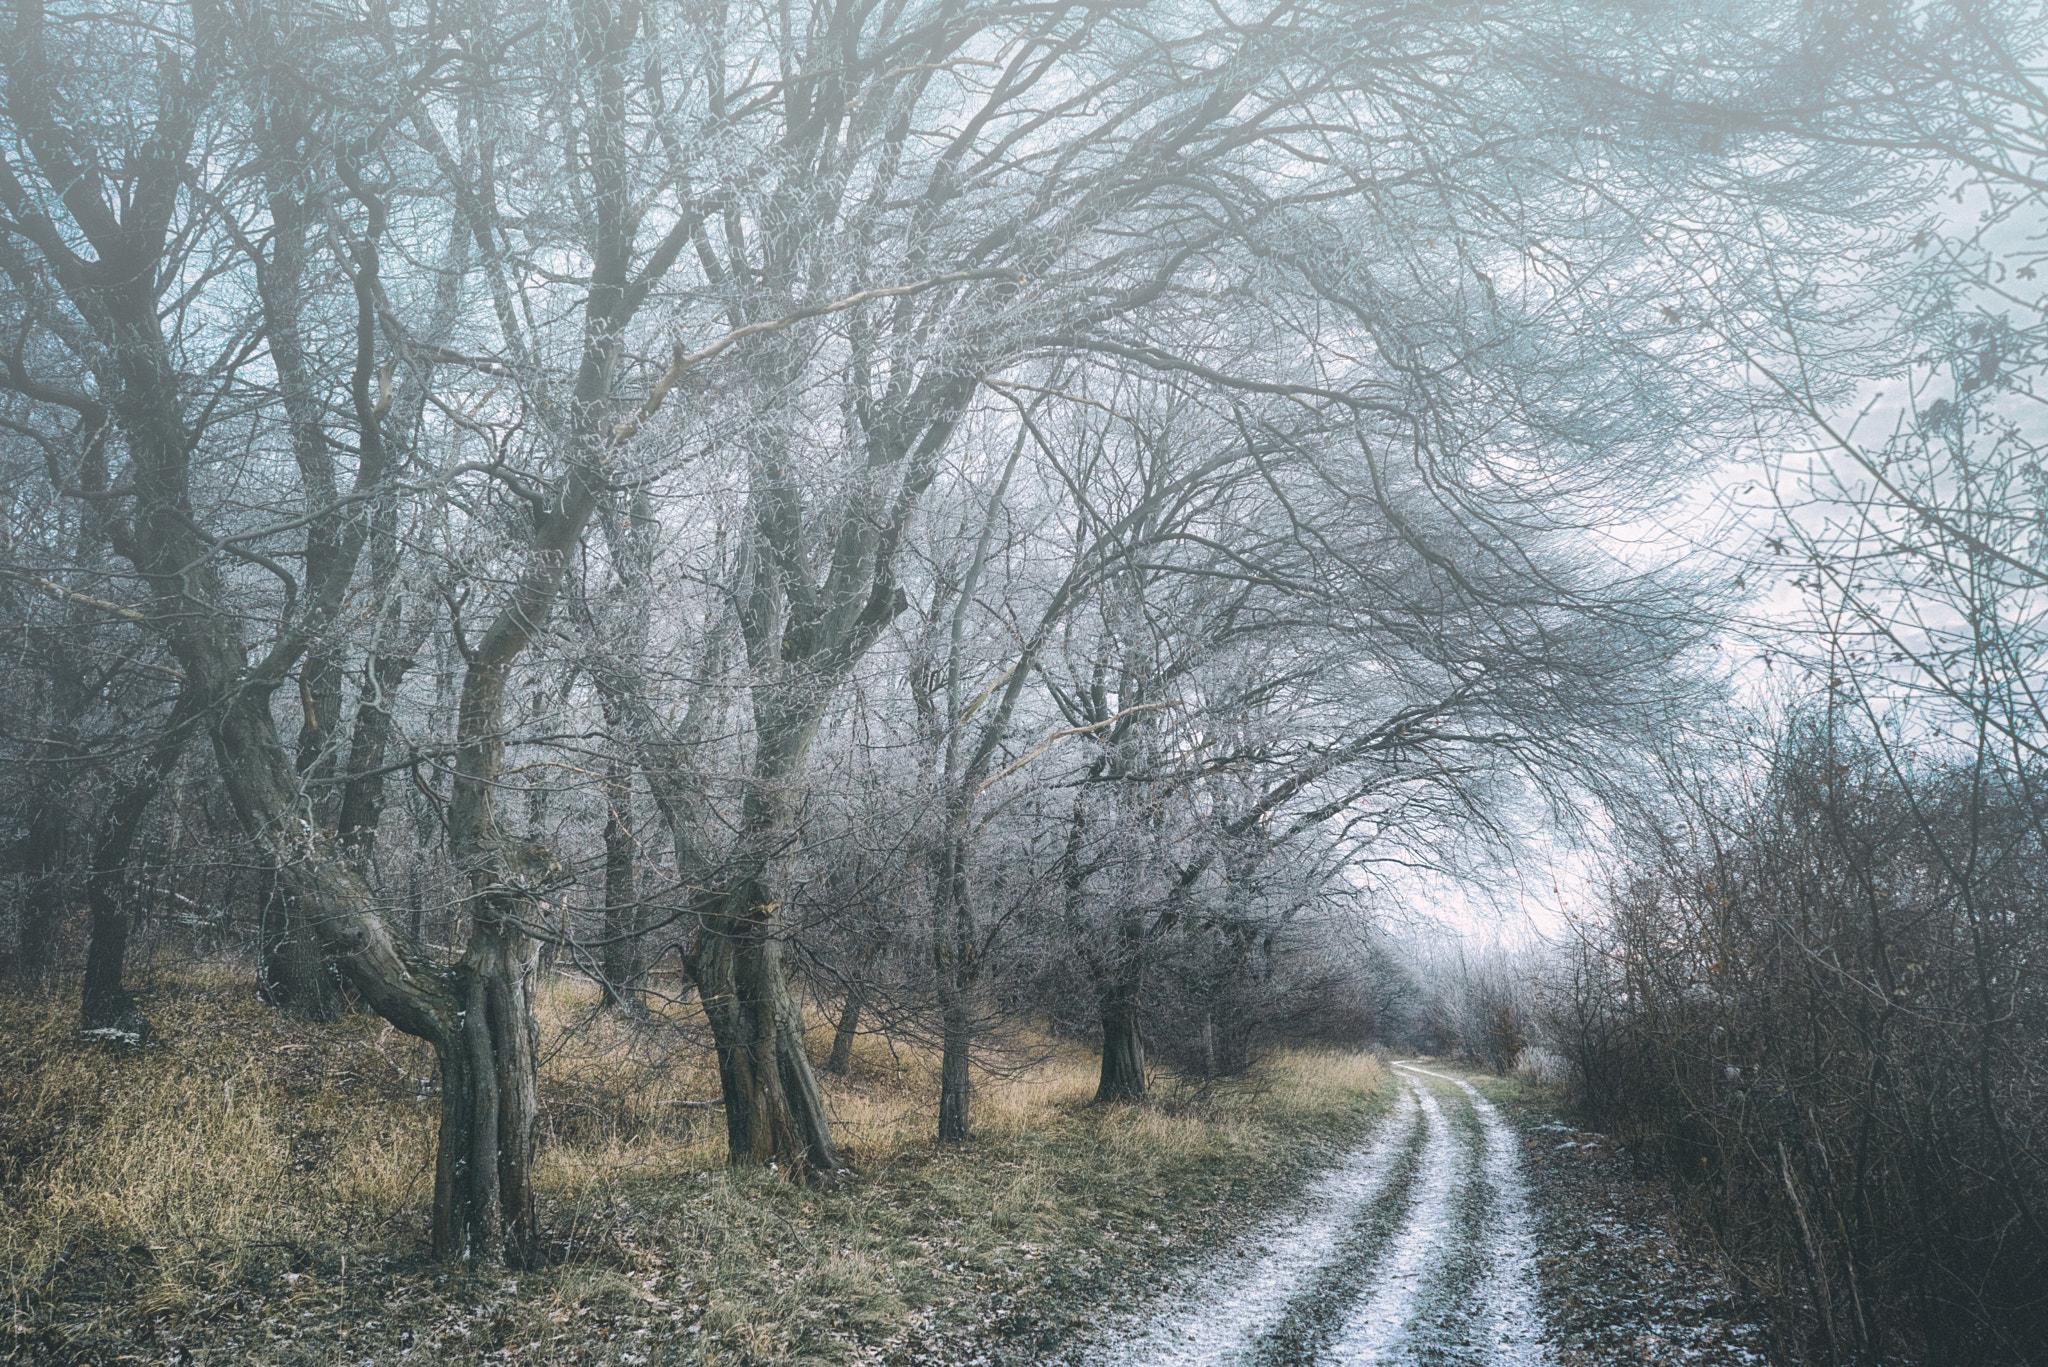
<point x="1818" y="993"/>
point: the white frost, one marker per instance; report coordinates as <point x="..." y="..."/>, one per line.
<point x="1508" y="1320"/>
<point x="1374" y="1331"/>
<point x="1219" y="1320"/>
<point x="1215" y="1323"/>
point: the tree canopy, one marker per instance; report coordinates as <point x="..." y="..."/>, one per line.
<point x="1135" y="468"/>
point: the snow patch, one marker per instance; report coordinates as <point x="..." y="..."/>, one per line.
<point x="1375" y="1330"/>
<point x="1216" y="1322"/>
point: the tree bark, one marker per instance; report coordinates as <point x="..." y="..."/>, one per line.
<point x="320" y="688"/>
<point x="1123" y="1050"/>
<point x="847" y="1026"/>
<point x="622" y="961"/>
<point x="774" y="1113"/>
<point x="292" y="972"/>
<point x="105" y="1002"/>
<point x="958" y="968"/>
<point x="362" y="797"/>
<point x="483" y="1169"/>
<point x="956" y="1083"/>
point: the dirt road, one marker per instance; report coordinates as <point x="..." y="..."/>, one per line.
<point x="1419" y="1248"/>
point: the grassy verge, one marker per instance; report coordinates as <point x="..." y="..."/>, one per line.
<point x="254" y="1190"/>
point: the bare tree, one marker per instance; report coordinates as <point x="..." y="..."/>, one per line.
<point x="363" y="332"/>
<point x="98" y="283"/>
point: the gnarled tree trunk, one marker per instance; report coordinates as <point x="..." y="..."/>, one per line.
<point x="773" y="1110"/>
<point x="774" y="1113"/>
<point x="292" y="972"/>
<point x="490" y="1105"/>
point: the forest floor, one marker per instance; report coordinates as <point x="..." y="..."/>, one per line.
<point x="252" y="1190"/>
<point x="248" y="1189"/>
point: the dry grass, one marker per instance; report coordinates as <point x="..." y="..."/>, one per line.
<point x="241" y="1133"/>
<point x="251" y="1189"/>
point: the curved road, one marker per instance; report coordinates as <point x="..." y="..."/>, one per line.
<point x="1416" y="1249"/>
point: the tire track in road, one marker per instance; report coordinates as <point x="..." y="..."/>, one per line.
<point x="1416" y="1252"/>
<point x="1345" y="1215"/>
<point x="1508" y="1327"/>
<point x="1316" y="1312"/>
<point x="1383" y="1316"/>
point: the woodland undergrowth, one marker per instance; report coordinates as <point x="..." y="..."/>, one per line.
<point x="251" y="1189"/>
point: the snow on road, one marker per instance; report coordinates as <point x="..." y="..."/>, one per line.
<point x="1417" y="1249"/>
<point x="1376" y="1328"/>
<point x="1510" y="1331"/>
<point x="1219" y="1320"/>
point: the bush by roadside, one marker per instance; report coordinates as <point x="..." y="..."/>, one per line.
<point x="1820" y="1002"/>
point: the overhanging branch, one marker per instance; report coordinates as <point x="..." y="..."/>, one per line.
<point x="684" y="361"/>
